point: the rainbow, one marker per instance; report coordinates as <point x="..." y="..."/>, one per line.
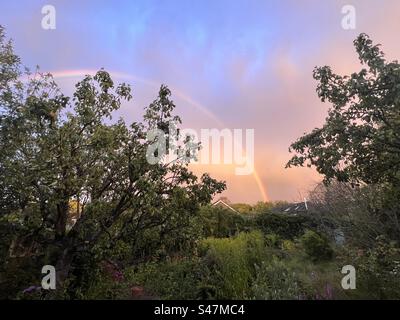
<point x="82" y="72"/>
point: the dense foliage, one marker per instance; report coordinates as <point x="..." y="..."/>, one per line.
<point x="285" y="226"/>
<point x="57" y="150"/>
<point x="360" y="141"/>
<point x="77" y="192"/>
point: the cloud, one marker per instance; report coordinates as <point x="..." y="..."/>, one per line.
<point x="249" y="63"/>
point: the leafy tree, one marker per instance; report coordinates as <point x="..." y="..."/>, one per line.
<point x="360" y="140"/>
<point x="359" y="214"/>
<point x="262" y="207"/>
<point x="58" y="150"/>
<point x="221" y="222"/>
<point x="283" y="225"/>
<point x="242" y="207"/>
<point x="316" y="246"/>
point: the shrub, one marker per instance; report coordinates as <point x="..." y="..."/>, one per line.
<point x="287" y="227"/>
<point x="273" y="240"/>
<point x="316" y="246"/>
<point x="232" y="263"/>
<point x="275" y="281"/>
<point x="18" y="274"/>
<point x="288" y="245"/>
<point x="292" y="277"/>
<point x="171" y="279"/>
<point x="377" y="271"/>
<point x="220" y="223"/>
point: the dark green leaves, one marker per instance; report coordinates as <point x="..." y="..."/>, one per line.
<point x="360" y="141"/>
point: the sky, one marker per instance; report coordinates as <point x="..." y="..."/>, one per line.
<point x="229" y="64"/>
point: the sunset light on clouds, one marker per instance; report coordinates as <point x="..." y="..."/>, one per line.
<point x="229" y="64"/>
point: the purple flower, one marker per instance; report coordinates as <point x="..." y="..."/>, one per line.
<point x="329" y="291"/>
<point x="31" y="289"/>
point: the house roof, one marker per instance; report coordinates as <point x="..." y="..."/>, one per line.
<point x="222" y="203"/>
<point x="294" y="208"/>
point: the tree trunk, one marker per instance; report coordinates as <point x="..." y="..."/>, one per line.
<point x="61" y="220"/>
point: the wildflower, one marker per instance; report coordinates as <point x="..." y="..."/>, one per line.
<point x="31" y="289"/>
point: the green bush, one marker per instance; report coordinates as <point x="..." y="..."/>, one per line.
<point x="377" y="271"/>
<point x="273" y="240"/>
<point x="221" y="223"/>
<point x="276" y="281"/>
<point x="316" y="246"/>
<point x="104" y="287"/>
<point x="18" y="274"/>
<point x="288" y="245"/>
<point x="291" y="277"/>
<point x="285" y="226"/>
<point x="171" y="279"/>
<point x="232" y="263"/>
